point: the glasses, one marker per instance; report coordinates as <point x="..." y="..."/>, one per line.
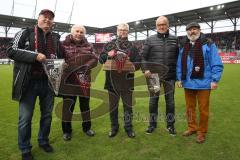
<point x="163" y="24"/>
<point x="123" y="30"/>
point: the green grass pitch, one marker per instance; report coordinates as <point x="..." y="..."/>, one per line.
<point x="222" y="141"/>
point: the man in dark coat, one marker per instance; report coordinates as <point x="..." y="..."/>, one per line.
<point x="159" y="57"/>
<point x="29" y="49"/>
<point x="120" y="83"/>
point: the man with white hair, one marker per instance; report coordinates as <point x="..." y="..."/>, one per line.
<point x="80" y="54"/>
<point x="120" y="83"/>
<point x="199" y="69"/>
<point x="159" y="57"/>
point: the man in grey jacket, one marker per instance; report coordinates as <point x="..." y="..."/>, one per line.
<point x="159" y="57"/>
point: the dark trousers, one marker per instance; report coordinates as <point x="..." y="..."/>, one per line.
<point x="67" y="112"/>
<point x="169" y="87"/>
<point x="127" y="108"/>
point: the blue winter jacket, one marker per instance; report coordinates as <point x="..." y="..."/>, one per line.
<point x="213" y="68"/>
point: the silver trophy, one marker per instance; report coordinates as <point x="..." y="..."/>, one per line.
<point x="120" y="55"/>
<point x="54" y="70"/>
<point x="154" y="84"/>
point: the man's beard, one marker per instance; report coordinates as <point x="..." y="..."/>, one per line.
<point x="193" y="37"/>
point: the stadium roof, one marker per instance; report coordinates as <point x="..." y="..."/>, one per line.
<point x="207" y="14"/>
<point x="101" y="13"/>
<point x="229" y="10"/>
<point x="20" y="22"/>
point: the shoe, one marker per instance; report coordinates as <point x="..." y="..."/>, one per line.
<point x="188" y="133"/>
<point x="113" y="133"/>
<point x="90" y="133"/>
<point x="27" y="156"/>
<point x="46" y="147"/>
<point x="200" y="138"/>
<point x="130" y="134"/>
<point x="171" y="131"/>
<point x="67" y="136"/>
<point x="150" y="129"/>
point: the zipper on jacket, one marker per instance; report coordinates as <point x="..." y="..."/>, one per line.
<point x="17" y="77"/>
<point x="164" y="50"/>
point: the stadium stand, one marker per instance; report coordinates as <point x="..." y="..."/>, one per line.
<point x="227" y="42"/>
<point x="3" y="46"/>
<point x="4" y="42"/>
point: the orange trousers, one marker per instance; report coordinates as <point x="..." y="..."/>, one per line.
<point x="202" y="98"/>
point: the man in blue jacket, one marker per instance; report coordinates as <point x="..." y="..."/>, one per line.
<point x="199" y="69"/>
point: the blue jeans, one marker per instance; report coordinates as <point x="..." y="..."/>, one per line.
<point x="36" y="88"/>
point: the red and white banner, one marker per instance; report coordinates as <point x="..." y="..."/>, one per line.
<point x="103" y="37"/>
<point x="230" y="57"/>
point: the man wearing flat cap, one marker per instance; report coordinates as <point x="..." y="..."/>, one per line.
<point x="199" y="69"/>
<point x="29" y="48"/>
<point x="192" y="24"/>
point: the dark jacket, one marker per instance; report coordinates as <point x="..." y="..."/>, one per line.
<point x="124" y="80"/>
<point x="159" y="55"/>
<point x="21" y="50"/>
<point x="80" y="57"/>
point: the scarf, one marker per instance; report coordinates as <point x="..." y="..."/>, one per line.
<point x="46" y="48"/>
<point x="196" y="53"/>
<point x="124" y="45"/>
<point x="81" y="78"/>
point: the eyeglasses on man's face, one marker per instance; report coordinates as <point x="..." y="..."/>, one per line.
<point x="123" y="30"/>
<point x="161" y="25"/>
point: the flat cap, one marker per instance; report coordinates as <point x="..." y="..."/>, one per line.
<point x="192" y="24"/>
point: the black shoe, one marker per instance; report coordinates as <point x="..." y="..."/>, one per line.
<point x="171" y="131"/>
<point x="27" y="156"/>
<point x="90" y="133"/>
<point x="67" y="136"/>
<point x="130" y="134"/>
<point x="113" y="133"/>
<point x="46" y="147"/>
<point x="150" y="129"/>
